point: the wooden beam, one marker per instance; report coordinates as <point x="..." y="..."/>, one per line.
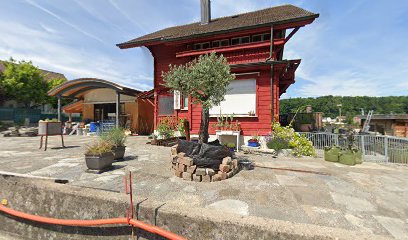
<point x="59" y="108"/>
<point x="117" y="108"/>
<point x="291" y="34"/>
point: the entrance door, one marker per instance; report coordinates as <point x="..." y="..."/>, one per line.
<point x="104" y="111"/>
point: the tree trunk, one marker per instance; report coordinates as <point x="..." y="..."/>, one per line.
<point x="205" y="121"/>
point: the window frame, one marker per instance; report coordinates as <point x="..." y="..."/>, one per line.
<point x="183" y="105"/>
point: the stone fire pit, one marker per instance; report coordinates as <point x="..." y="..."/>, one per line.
<point x="202" y="162"/>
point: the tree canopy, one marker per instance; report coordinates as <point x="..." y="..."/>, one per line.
<point x="206" y="80"/>
<point x="25" y="83"/>
<point x="351" y="106"/>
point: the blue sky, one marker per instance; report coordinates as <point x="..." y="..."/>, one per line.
<point x="355" y="47"/>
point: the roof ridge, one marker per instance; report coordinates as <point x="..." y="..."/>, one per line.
<point x="262" y="17"/>
<point x="224" y="17"/>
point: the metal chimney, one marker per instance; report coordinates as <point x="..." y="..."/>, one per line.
<point x="205" y="11"/>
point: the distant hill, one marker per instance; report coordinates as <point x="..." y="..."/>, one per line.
<point x="351" y="106"/>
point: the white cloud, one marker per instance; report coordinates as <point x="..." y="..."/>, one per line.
<point x="64" y="21"/>
<point x="46" y="51"/>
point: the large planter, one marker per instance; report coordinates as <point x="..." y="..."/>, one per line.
<point x="119" y="152"/>
<point x="99" y="162"/>
<point x="347" y="157"/>
<point x="331" y="154"/>
<point x="49" y="128"/>
<point x="358" y="156"/>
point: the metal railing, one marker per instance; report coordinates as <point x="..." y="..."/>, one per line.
<point x="374" y="148"/>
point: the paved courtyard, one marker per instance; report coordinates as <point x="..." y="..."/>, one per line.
<point x="369" y="198"/>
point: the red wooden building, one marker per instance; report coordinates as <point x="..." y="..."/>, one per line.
<point x="253" y="44"/>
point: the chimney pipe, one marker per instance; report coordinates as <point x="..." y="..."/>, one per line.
<point x="205" y="11"/>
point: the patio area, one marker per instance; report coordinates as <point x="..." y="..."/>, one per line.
<point x="368" y="198"/>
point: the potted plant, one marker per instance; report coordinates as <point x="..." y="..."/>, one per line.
<point x="220" y="123"/>
<point x="99" y="156"/>
<point x="117" y="138"/>
<point x="348" y="155"/>
<point x="331" y="154"/>
<point x="254" y="141"/>
<point x="231" y="147"/>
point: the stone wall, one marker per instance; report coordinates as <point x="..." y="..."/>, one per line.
<point x="184" y="167"/>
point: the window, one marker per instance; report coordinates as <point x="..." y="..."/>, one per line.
<point x="216" y="44"/>
<point x="206" y="45"/>
<point x="266" y="36"/>
<point x="239" y="100"/>
<point x="224" y="42"/>
<point x="197" y="46"/>
<point x="166" y="105"/>
<point x="245" y="40"/>
<point x="184" y="102"/>
<point x="234" y="41"/>
<point x="256" y="38"/>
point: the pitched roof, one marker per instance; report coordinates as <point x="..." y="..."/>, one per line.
<point x="273" y="15"/>
<point x="48" y="75"/>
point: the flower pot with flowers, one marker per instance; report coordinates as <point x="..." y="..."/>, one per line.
<point x="254" y="141"/>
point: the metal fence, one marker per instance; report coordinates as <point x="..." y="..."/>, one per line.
<point x="374" y="148"/>
<point x="18" y="115"/>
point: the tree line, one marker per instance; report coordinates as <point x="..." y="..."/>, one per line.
<point x="350" y="106"/>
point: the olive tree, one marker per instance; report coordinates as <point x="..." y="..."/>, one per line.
<point x="206" y="80"/>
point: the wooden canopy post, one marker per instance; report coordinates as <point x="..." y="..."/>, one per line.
<point x="59" y="108"/>
<point x="117" y="108"/>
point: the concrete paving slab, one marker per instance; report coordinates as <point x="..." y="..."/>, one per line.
<point x="397" y="227"/>
<point x="347" y="197"/>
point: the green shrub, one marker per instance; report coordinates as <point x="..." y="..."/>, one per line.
<point x="277" y="144"/>
<point x="231" y="145"/>
<point x="286" y="137"/>
<point x="180" y="127"/>
<point x="165" y="129"/>
<point x="116" y="137"/>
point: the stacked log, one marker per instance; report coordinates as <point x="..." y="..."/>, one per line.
<point x="183" y="167"/>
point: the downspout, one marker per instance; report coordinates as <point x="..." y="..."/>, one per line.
<point x="272" y="82"/>
<point x="271" y="47"/>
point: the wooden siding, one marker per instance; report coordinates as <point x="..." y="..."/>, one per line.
<point x="164" y="55"/>
<point x="145" y="116"/>
<point x="131" y="109"/>
<point x="88" y="111"/>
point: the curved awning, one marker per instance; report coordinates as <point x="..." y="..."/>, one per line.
<point x="79" y="87"/>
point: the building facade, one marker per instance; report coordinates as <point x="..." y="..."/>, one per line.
<point x="253" y="44"/>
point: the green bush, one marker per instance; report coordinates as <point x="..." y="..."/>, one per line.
<point x="281" y="136"/>
<point x="277" y="144"/>
<point x="231" y="145"/>
<point x="165" y="129"/>
<point x="180" y="127"/>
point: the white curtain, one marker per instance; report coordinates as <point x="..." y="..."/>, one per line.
<point x="239" y="100"/>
